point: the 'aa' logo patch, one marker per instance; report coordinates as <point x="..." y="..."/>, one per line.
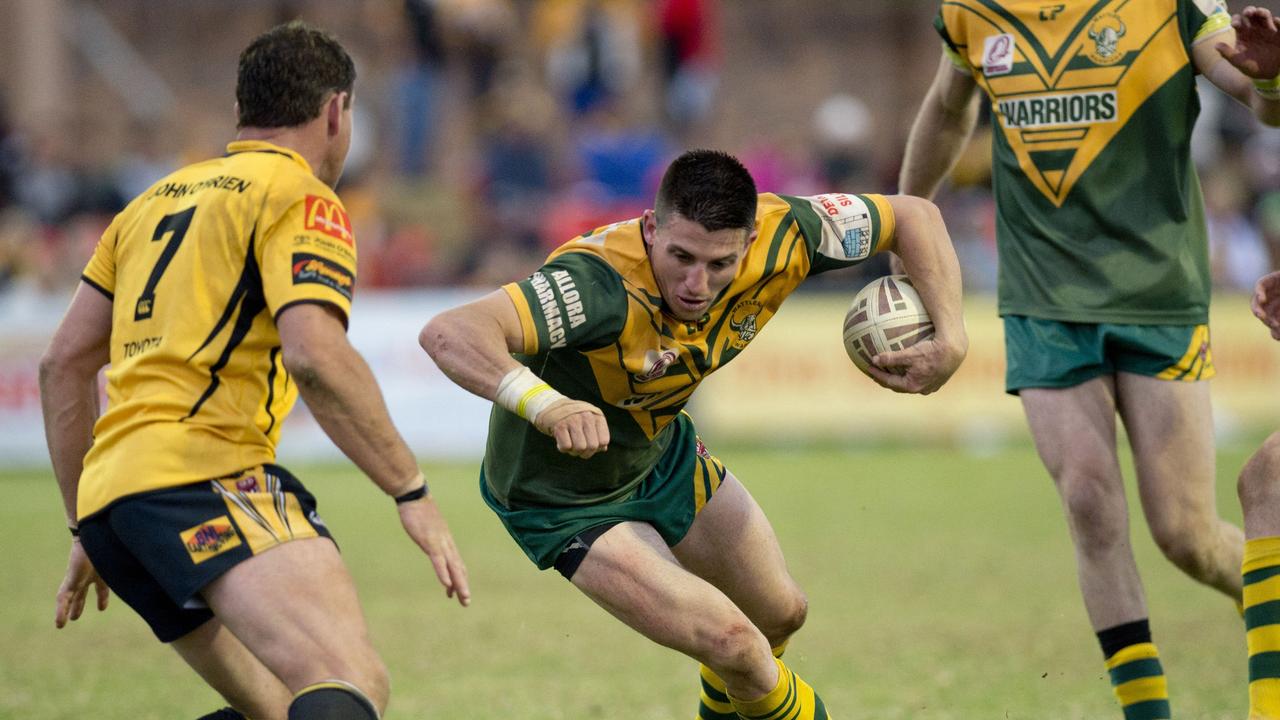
<point x="210" y="539"/>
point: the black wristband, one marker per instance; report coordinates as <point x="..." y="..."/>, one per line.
<point x="412" y="495"/>
<point x="75" y="531"/>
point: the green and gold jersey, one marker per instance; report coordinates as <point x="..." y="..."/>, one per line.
<point x="1100" y="217"/>
<point x="197" y="269"/>
<point x="595" y="329"/>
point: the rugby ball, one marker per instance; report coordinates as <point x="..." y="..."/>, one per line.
<point x="885" y="315"/>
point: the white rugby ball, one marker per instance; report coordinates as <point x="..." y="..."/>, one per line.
<point x="885" y="315"/>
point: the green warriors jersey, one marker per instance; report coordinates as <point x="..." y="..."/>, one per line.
<point x="595" y="329"/>
<point x="1100" y="217"/>
<point x="197" y="269"/>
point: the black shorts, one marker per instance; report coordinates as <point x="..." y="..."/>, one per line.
<point x="157" y="550"/>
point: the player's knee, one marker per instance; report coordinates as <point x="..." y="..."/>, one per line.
<point x="734" y="643"/>
<point x="788" y="619"/>
<point x="1187" y="547"/>
<point x="1259" y="483"/>
<point x="1098" y="517"/>
<point x="332" y="700"/>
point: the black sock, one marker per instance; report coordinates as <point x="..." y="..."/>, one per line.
<point x="328" y="701"/>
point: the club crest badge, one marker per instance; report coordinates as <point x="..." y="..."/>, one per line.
<point x="743" y="323"/>
<point x="1106" y="31"/>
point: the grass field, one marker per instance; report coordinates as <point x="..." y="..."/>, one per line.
<point x="941" y="586"/>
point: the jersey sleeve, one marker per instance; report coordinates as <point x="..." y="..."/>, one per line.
<point x="576" y="300"/>
<point x="1202" y="19"/>
<point x="841" y="229"/>
<point x="308" y="255"/>
<point x="950" y="48"/>
<point x="100" y="272"/>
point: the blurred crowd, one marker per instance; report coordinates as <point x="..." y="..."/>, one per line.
<point x="490" y="131"/>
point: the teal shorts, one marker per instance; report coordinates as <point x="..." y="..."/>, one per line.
<point x="1057" y="354"/>
<point x="669" y="498"/>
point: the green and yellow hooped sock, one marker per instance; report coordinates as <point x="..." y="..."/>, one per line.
<point x="1261" y="570"/>
<point x="713" y="704"/>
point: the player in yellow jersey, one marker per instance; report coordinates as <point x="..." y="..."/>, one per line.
<point x="591" y="463"/>
<point x="217" y="296"/>
<point x="1104" y="269"/>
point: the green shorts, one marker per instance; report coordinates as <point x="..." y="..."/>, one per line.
<point x="1056" y="354"/>
<point x="669" y="498"/>
<point x="157" y="550"/>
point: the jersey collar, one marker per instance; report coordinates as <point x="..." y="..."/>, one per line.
<point x="262" y="146"/>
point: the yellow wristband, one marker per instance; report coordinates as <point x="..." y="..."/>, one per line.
<point x="1268" y="89"/>
<point x="523" y="404"/>
<point x="525" y="394"/>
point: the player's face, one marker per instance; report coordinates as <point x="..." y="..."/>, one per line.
<point x="691" y="264"/>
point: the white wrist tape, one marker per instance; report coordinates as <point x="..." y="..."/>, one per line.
<point x="525" y="394"/>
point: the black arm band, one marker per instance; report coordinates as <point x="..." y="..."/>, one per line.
<point x="412" y="495"/>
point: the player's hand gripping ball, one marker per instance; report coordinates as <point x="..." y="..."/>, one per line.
<point x="885" y="315"/>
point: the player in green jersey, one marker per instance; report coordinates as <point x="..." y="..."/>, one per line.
<point x="593" y="466"/>
<point x="1104" y="271"/>
<point x="218" y="296"/>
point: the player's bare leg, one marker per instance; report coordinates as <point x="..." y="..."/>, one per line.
<point x="295" y="608"/>
<point x="228" y="667"/>
<point x="732" y="546"/>
<point x="1259" y="488"/>
<point x="1171" y="432"/>
<point x="1075" y="433"/>
<point x="631" y="573"/>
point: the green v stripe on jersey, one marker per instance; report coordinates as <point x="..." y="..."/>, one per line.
<point x="1050" y="62"/>
<point x="775" y="244"/>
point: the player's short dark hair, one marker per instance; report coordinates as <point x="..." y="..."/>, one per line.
<point x="286" y="73"/>
<point x="708" y="187"/>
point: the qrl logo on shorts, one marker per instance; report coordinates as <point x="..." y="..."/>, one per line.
<point x="210" y="539"/>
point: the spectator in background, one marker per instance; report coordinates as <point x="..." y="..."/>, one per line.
<point x="592" y="49"/>
<point x="145" y="159"/>
<point x="419" y="84"/>
<point x="478" y="33"/>
<point x="689" y="35"/>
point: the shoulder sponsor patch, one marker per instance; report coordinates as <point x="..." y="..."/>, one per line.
<point x="210" y="539"/>
<point x="329" y="217"/>
<point x="847" y="231"/>
<point x="308" y="268"/>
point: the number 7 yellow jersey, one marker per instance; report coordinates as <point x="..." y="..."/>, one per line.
<point x="197" y="269"/>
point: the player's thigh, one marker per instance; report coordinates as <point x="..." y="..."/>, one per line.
<point x="295" y="608"/>
<point x="632" y="574"/>
<point x="732" y="545"/>
<point x="229" y="668"/>
<point x="1074" y="428"/>
<point x="1170" y="428"/>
